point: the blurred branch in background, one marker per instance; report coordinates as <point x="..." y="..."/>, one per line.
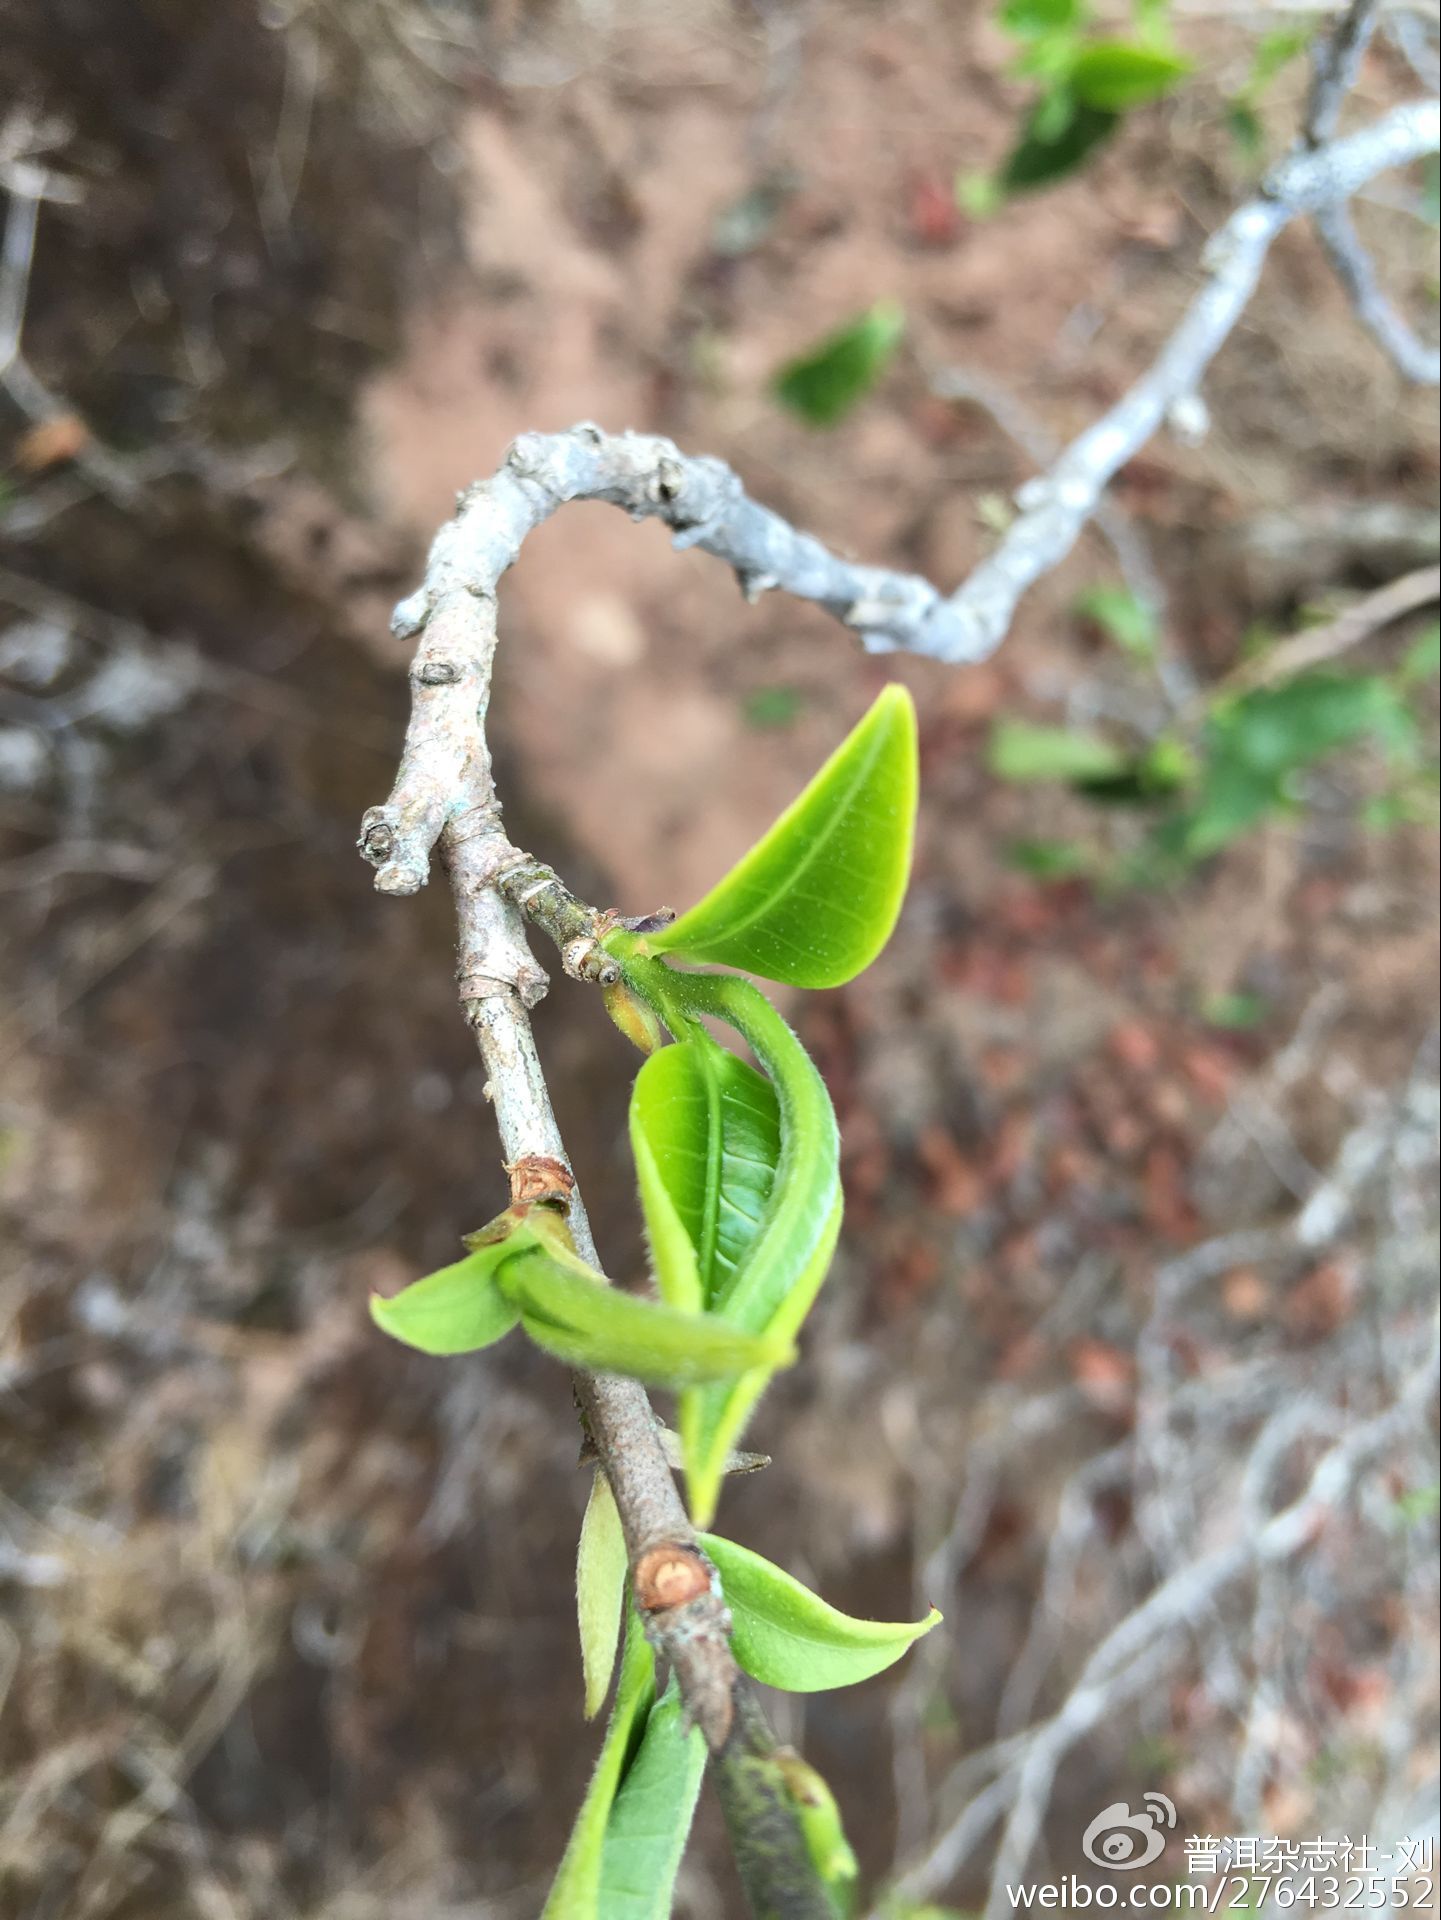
<point x="1259" y="1482"/>
<point x="56" y="432"/>
<point x="1336" y="63"/>
<point x="1313" y="647"/>
<point x="705" y="504"/>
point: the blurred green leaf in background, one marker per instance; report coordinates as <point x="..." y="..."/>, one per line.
<point x="824" y="384"/>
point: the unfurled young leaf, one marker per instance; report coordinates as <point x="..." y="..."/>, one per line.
<point x="524" y="1267"/>
<point x="575" y="1894"/>
<point x="705" y="1130"/>
<point x="776" y="1275"/>
<point x="457" y="1310"/>
<point x="600" y="1576"/>
<point x="586" y="1323"/>
<point x="786" y="1636"/>
<point x="831" y="1854"/>
<point x="824" y="384"/>
<point x="814" y="901"/>
<point x="574" y="1312"/>
<point x="651" y="1819"/>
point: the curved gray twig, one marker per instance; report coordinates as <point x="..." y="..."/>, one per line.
<point x="1353" y="267"/>
<point x="705" y="505"/>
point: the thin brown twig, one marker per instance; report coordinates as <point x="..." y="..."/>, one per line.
<point x="1312" y="647"/>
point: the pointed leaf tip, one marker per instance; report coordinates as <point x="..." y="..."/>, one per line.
<point x="786" y="1636"/>
<point x="816" y="898"/>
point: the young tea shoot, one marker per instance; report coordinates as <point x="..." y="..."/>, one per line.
<point x="738" y="1170"/>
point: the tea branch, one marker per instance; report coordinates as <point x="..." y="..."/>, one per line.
<point x="445" y="799"/>
<point x="446" y="792"/>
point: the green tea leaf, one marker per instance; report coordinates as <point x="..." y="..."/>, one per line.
<point x="1276" y="729"/>
<point x="807" y="1179"/>
<point x="776" y="1277"/>
<point x="575" y="1894"/>
<point x="1122" y="618"/>
<point x="831" y="1854"/>
<point x="1165" y="766"/>
<point x="1113" y="76"/>
<point x="712" y="1419"/>
<point x="786" y="1636"/>
<point x="1233" y="799"/>
<point x="1257" y="742"/>
<point x="524" y="1266"/>
<point x="1054" y="143"/>
<point x="705" y="1130"/>
<point x="1051" y="859"/>
<point x="1021" y="752"/>
<point x="815" y="900"/>
<point x="823" y="385"/>
<point x="1038" y="19"/>
<point x="651" y="1818"/>
<point x="600" y="1575"/>
<point x="460" y="1309"/>
<point x="582" y="1320"/>
<point x="673" y="1255"/>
